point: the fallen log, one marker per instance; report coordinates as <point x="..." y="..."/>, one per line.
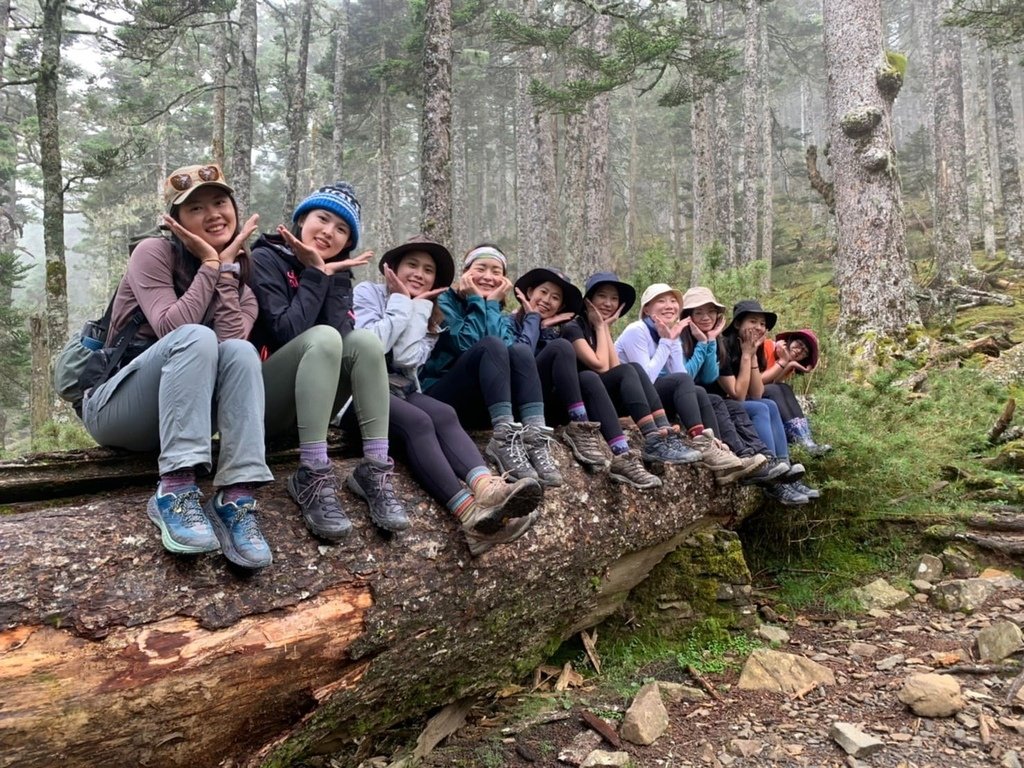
<point x="113" y="652"/>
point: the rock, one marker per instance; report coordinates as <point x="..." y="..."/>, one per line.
<point x="932" y="695"/>
<point x="853" y="740"/>
<point x="998" y="641"/>
<point x="965" y="596"/>
<point x="865" y="650"/>
<point x="776" y="635"/>
<point x="1002" y="579"/>
<point x="1010" y="760"/>
<point x="579" y="748"/>
<point x="677" y="692"/>
<point x="921" y="585"/>
<point x="890" y="663"/>
<point x="879" y="594"/>
<point x="782" y="672"/>
<point x="958" y="565"/>
<point x="601" y="759"/>
<point x="745" y="747"/>
<point x="646" y="719"/>
<point x="929" y="568"/>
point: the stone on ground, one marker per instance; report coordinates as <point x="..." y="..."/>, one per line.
<point x="646" y="719"/>
<point x="601" y="759"/>
<point x="999" y="641"/>
<point x="879" y="594"/>
<point x="779" y="672"/>
<point x="853" y="740"/>
<point x="1010" y="760"/>
<point x="677" y="692"/>
<point x="580" y="748"/>
<point x="963" y="595"/>
<point x="931" y="695"/>
<point x="746" y="747"/>
<point x="929" y="568"/>
<point x="958" y="565"/>
<point x="864" y="650"/>
<point x="772" y="634"/>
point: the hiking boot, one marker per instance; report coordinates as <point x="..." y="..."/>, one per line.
<point x="785" y="494"/>
<point x="316" y="493"/>
<point x="798" y="431"/>
<point x="714" y="455"/>
<point x="668" y="450"/>
<point x="483" y="542"/>
<point x="508" y="449"/>
<point x="730" y="476"/>
<point x="795" y="471"/>
<point x="629" y="468"/>
<point x="371" y="481"/>
<point x="235" y="525"/>
<point x="184" y="527"/>
<point x="772" y="469"/>
<point x="538" y="450"/>
<point x="806" y="490"/>
<point x="587" y="444"/>
<point x="498" y="501"/>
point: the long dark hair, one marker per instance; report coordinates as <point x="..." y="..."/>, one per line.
<point x="729" y="347"/>
<point x="186" y="264"/>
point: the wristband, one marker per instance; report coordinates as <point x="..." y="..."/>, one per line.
<point x="233" y="268"/>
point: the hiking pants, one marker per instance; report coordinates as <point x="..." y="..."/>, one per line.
<point x="768" y="423"/>
<point x="783" y="396"/>
<point x="685" y="401"/>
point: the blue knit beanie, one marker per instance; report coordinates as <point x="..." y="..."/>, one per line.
<point x="338" y="198"/>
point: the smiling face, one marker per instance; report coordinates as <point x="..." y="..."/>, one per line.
<point x="546" y="298"/>
<point x="324" y="232"/>
<point x="417" y="272"/>
<point x="209" y="213"/>
<point x="606" y="300"/>
<point x="486" y="274"/>
<point x="752" y="320"/>
<point x="664" y="307"/>
<point x="798" y="350"/>
<point x="705" y="317"/>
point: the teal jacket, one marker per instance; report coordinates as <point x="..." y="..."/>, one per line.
<point x="467" y="321"/>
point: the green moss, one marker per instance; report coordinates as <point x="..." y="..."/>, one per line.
<point x="860" y="121"/>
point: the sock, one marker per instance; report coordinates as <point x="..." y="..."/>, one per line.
<point x="661" y="419"/>
<point x="578" y="412"/>
<point x="647" y="426"/>
<point x="177" y="481"/>
<point x="476" y="476"/>
<point x="500" y="413"/>
<point x="696" y="430"/>
<point x="460" y="502"/>
<point x="532" y="414"/>
<point x="314" y="454"/>
<point x="236" y="491"/>
<point x="619" y="445"/>
<point x="377" y="449"/>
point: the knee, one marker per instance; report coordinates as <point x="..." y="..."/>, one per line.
<point x="590" y="382"/>
<point x="520" y="355"/>
<point x="323" y="340"/>
<point x="238" y="352"/>
<point x="363" y="342"/>
<point x="637" y="369"/>
<point x="442" y="416"/>
<point x="412" y="421"/>
<point x="562" y="348"/>
<point x="201" y="339"/>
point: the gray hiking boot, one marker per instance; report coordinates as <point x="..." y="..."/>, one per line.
<point x="371" y="481"/>
<point x="629" y="468"/>
<point x="587" y="444"/>
<point x="668" y="450"/>
<point x="786" y="494"/>
<point x="316" y="493"/>
<point x="771" y="469"/>
<point x="479" y="543"/>
<point x="236" y="528"/>
<point x="806" y="490"/>
<point x="508" y="449"/>
<point x="498" y="501"/>
<point x="538" y="450"/>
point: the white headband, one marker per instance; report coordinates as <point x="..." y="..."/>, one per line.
<point x="484" y="252"/>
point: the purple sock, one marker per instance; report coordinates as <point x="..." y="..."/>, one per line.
<point x="237" y="491"/>
<point x="177" y="481"/>
<point x="376" y="449"/>
<point x="618" y="445"/>
<point x="314" y="454"/>
<point x="577" y="412"/>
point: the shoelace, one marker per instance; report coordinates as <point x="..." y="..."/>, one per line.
<point x="542" y="452"/>
<point x="321" y="488"/>
<point x="383" y="477"/>
<point x="515" y="439"/>
<point x="245" y="525"/>
<point x="187" y="506"/>
<point x="589" y="441"/>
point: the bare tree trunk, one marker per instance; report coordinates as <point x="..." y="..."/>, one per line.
<point x="460" y="192"/>
<point x="40" y="396"/>
<point x="435" y="133"/>
<point x="240" y="172"/>
<point x="705" y="219"/>
<point x="678" y="236"/>
<point x="721" y="151"/>
<point x="876" y="289"/>
<point x="597" y="251"/>
<point x="1009" y="167"/>
<point x="977" y="93"/>
<point x="753" y="132"/>
<point x="297" y="117"/>
<point x="924" y="22"/>
<point x="385" y="159"/>
<point x="340" y="62"/>
<point x="48" y="113"/>
<point x="768" y="148"/>
<point x="220" y="92"/>
<point x="632" y="192"/>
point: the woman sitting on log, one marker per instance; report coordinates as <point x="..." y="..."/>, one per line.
<point x="790" y="353"/>
<point x="314" y="361"/>
<point x="549" y="300"/>
<point x="199" y="376"/>
<point x="402" y="313"/>
<point x="478" y="368"/>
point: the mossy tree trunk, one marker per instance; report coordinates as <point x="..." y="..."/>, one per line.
<point x="436" y="124"/>
<point x="245" y="89"/>
<point x="1009" y="165"/>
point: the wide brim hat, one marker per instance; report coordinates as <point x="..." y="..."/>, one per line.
<point x="444" y="263"/>
<point x="808" y="337"/>
<point x="698" y="297"/>
<point x="627" y="293"/>
<point x="752" y="307"/>
<point x="572" y="299"/>
<point x="184" y="181"/>
<point x="653" y="291"/>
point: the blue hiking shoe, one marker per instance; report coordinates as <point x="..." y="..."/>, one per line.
<point x="235" y="525"/>
<point x="184" y="527"/>
<point x="669" y="450"/>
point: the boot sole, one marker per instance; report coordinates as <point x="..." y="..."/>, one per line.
<point x="227" y="546"/>
<point x="519" y="504"/>
<point x="353" y="485"/>
<point x="327" y="534"/>
<point x="171" y="544"/>
<point x="627" y="481"/>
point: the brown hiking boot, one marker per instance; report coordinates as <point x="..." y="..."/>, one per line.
<point x="714" y="454"/>
<point x="629" y="468"/>
<point x="496" y="501"/>
<point x="483" y="542"/>
<point x="587" y="444"/>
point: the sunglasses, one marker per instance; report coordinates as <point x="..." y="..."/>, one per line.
<point x="183" y="181"/>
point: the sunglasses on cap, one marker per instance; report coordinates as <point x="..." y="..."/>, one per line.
<point x="199" y="175"/>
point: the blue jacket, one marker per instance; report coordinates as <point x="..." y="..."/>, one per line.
<point x="467" y="321"/>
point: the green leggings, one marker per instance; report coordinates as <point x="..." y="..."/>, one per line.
<point x="308" y="379"/>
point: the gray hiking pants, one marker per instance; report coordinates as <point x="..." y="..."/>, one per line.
<point x="176" y="394"/>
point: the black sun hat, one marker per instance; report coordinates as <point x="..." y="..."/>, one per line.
<point x="572" y="299"/>
<point x="752" y="307"/>
<point x="444" y="264"/>
<point x="627" y="293"/>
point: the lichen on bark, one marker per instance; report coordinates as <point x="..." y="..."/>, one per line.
<point x="860" y="121"/>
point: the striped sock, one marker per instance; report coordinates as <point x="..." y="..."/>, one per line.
<point x="376" y="448"/>
<point x="619" y="445"/>
<point x="532" y="413"/>
<point x="313" y="454"/>
<point x="578" y="412"/>
<point x="476" y="475"/>
<point x="177" y="481"/>
<point x="232" y="493"/>
<point x="661" y="419"/>
<point x="460" y="502"/>
<point x="647" y="426"/>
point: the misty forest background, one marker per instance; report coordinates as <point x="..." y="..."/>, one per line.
<point x="668" y="140"/>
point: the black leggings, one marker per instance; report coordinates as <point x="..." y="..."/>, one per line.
<point x="783" y="396"/>
<point x="684" y="400"/>
<point x="629" y="393"/>
<point x="486" y="374"/>
<point x="559" y="377"/>
<point x="737" y="430"/>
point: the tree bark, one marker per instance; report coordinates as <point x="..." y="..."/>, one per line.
<point x="705" y="219"/>
<point x="979" y="145"/>
<point x="385" y="165"/>
<point x="220" y="92"/>
<point x="722" y="157"/>
<point x="297" y="115"/>
<point x="338" y="90"/>
<point x="876" y="290"/>
<point x="597" y="251"/>
<point x="40" y="395"/>
<point x="767" y="253"/>
<point x="435" y="133"/>
<point x="753" y="133"/>
<point x="1009" y="166"/>
<point x="240" y="172"/>
<point x="113" y="652"/>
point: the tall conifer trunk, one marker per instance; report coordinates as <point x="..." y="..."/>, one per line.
<point x="338" y="91"/>
<point x="297" y="117"/>
<point x="436" y="126"/>
<point x="240" y="167"/>
<point x="1009" y="167"/>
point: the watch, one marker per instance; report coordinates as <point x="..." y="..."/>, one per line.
<point x="232" y="267"/>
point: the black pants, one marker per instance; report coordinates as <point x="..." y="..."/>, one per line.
<point x="684" y="400"/>
<point x="737" y="430"/>
<point x="783" y="396"/>
<point x="485" y="374"/>
<point x="628" y="392"/>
